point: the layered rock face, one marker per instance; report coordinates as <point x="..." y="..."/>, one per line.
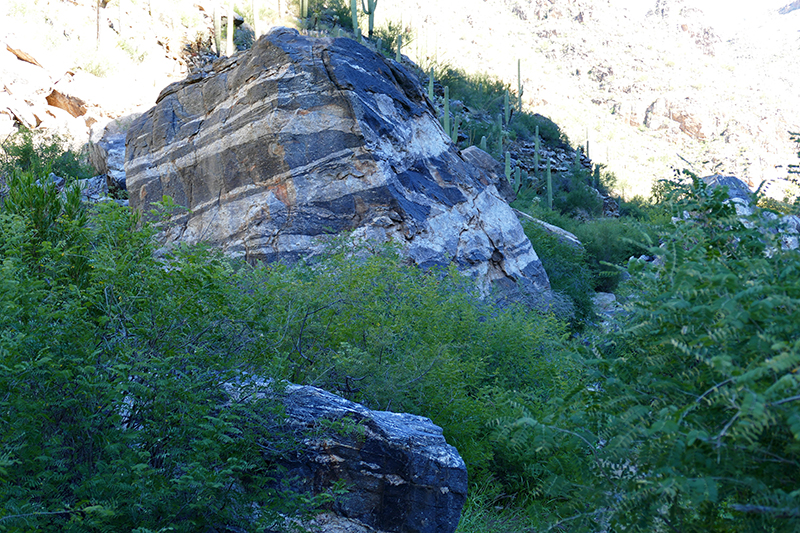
<point x="299" y="138"/>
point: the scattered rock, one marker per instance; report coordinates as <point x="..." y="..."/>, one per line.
<point x="561" y="234"/>
<point x="298" y="139"/>
<point x="787" y="226"/>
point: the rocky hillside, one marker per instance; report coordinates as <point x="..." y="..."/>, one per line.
<point x="649" y="88"/>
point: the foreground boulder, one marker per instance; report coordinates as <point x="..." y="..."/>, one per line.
<point x="399" y="472"/>
<point x="280" y="147"/>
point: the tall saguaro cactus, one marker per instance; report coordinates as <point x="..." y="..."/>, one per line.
<point x="447" y="111"/>
<point x="399" y="52"/>
<point x="217" y="29"/>
<point x="255" y="6"/>
<point x="519" y="86"/>
<point x="231" y="29"/>
<point x="354" y="14"/>
<point x="371" y="12"/>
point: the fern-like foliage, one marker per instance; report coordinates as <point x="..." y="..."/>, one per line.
<point x="688" y="420"/>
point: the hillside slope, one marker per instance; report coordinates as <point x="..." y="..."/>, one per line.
<point x="649" y="90"/>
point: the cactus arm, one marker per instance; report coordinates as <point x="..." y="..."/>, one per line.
<point x="447" y="111"/>
<point x="519" y="85"/>
<point x="231" y="29"/>
<point x="399" y="56"/>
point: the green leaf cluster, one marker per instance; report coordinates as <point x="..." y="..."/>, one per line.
<point x="687" y="420"/>
<point x="112" y="366"/>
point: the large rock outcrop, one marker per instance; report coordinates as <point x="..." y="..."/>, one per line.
<point x="299" y="138"/>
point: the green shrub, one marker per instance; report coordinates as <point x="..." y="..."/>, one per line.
<point x="40" y="153"/>
<point x="688" y="419"/>
<point x="524" y="125"/>
<point x="111" y="410"/>
<point x="388" y="34"/>
<point x="609" y="244"/>
<point x="399" y="338"/>
<point x="567" y="269"/>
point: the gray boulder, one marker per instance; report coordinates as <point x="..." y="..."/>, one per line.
<point x="403" y="476"/>
<point x="400" y="474"/>
<point x="281" y="147"/>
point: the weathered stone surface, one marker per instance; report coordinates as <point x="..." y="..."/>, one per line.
<point x="401" y="474"/>
<point x="786" y="226"/>
<point x="301" y="138"/>
<point x="107" y="152"/>
<point x="493" y="171"/>
<point x="562" y="235"/>
<point x="71" y="104"/>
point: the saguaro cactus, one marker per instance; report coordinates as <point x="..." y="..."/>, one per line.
<point x="371" y="12"/>
<point x="506" y="108"/>
<point x="303" y="9"/>
<point x="483" y="143"/>
<point x="549" y="186"/>
<point x="519" y="85"/>
<point x="508" y="167"/>
<point x="255" y="6"/>
<point x="217" y="30"/>
<point x="430" y="85"/>
<point x="446" y="116"/>
<point x="231" y="29"/>
<point x="399" y="55"/>
<point x="537" y="153"/>
<point x="354" y="14"/>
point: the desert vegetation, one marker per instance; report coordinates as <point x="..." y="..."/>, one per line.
<point x="677" y="413"/>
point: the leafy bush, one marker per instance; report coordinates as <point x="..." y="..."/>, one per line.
<point x="567" y="269"/>
<point x="688" y="417"/>
<point x="40" y="154"/>
<point x="395" y="337"/>
<point x="609" y="244"/>
<point x="524" y="125"/>
<point x="389" y="32"/>
<point x="112" y="415"/>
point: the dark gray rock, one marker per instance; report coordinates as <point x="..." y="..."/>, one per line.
<point x="403" y="476"/>
<point x="400" y="474"/>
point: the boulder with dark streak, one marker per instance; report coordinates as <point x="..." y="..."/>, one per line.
<point x="401" y="474"/>
<point x="300" y="138"/>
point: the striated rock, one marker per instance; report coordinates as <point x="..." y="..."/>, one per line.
<point x="298" y="139"/>
<point x="402" y="475"/>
